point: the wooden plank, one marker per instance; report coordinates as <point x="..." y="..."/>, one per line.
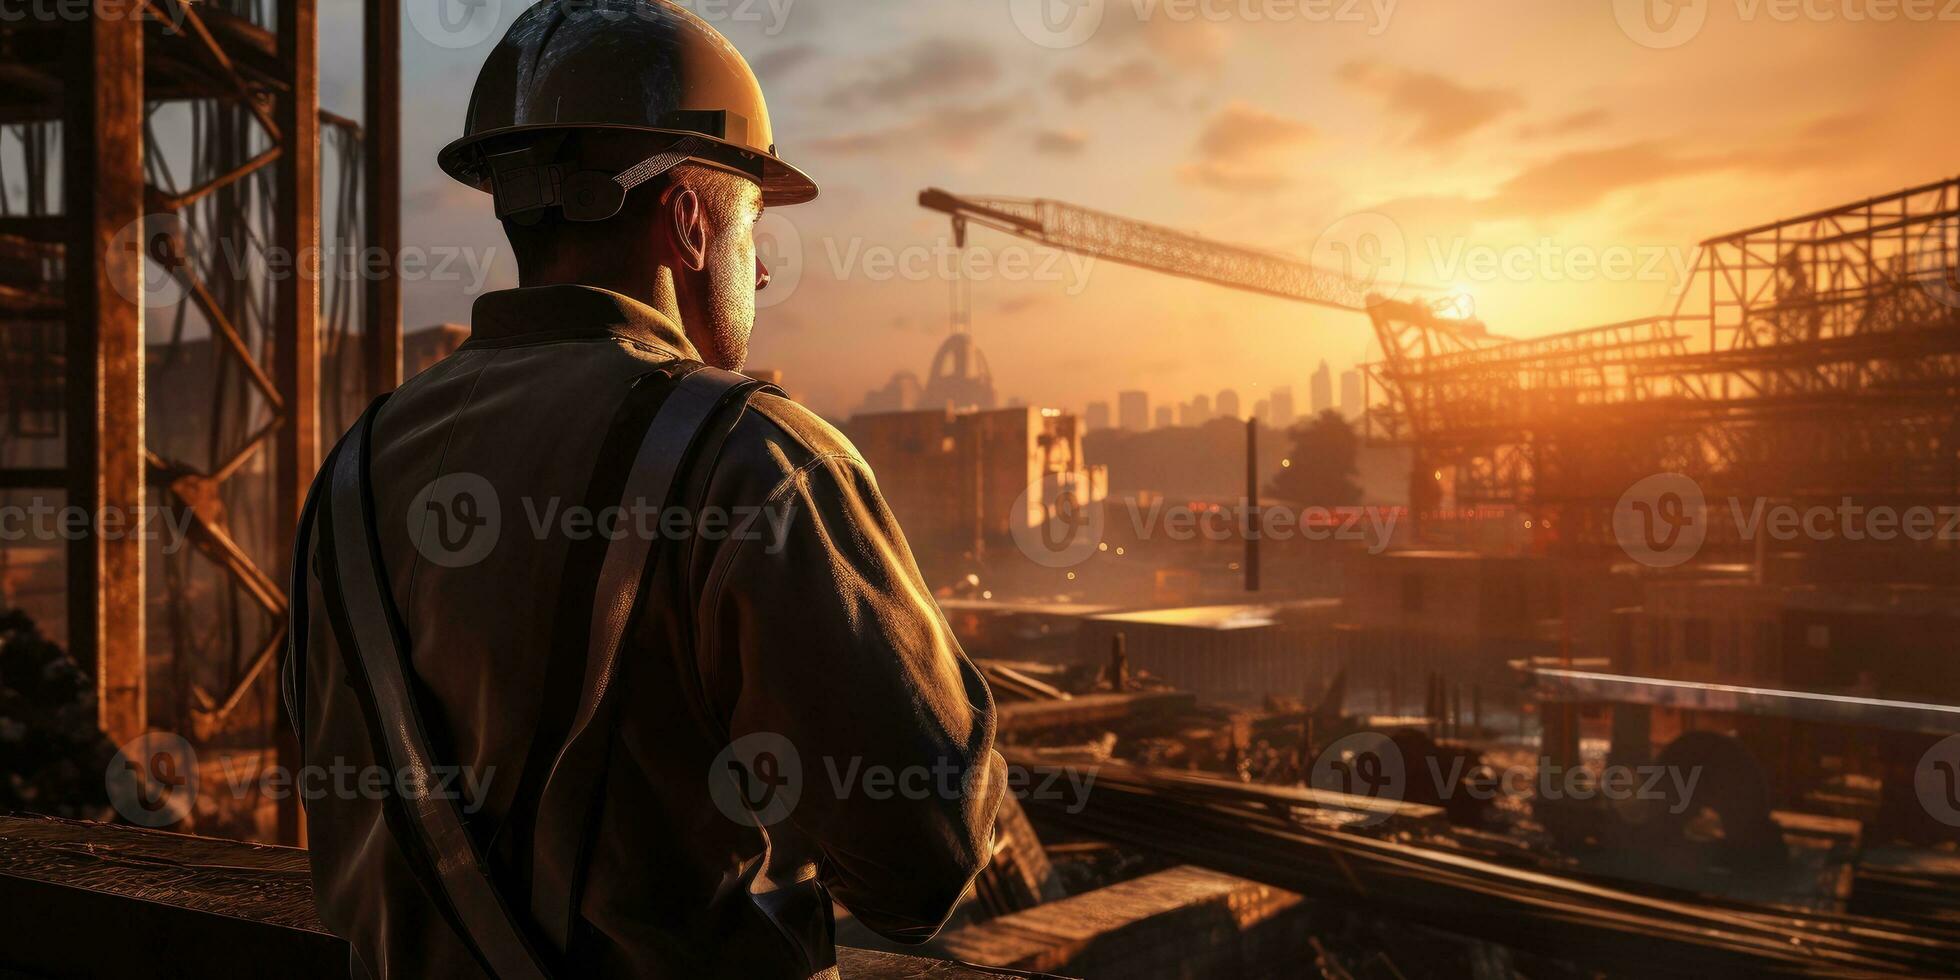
<point x="1091" y="709"/>
<point x="1186" y="923"/>
<point x="199" y="906"/>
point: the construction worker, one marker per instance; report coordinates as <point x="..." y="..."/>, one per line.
<point x="609" y="745"/>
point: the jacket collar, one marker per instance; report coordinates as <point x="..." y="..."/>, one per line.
<point x="514" y="314"/>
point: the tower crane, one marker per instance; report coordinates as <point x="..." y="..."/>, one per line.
<point x="1408" y="330"/>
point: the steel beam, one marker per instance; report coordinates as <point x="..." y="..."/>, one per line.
<point x="296" y="307"/>
<point x="382" y="158"/>
<point x="103" y="184"/>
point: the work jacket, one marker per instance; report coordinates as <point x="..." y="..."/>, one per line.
<point x="786" y="646"/>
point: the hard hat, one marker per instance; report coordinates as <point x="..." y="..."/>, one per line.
<point x="658" y="84"/>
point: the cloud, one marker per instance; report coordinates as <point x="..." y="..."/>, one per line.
<point x="1442" y="111"/>
<point x="1562" y="185"/>
<point x="1573" y="181"/>
<point x="778" y="62"/>
<point x="954" y="129"/>
<point x="931" y="70"/>
<point x="1060" y="142"/>
<point x="1241" y="130"/>
<point x="1565" y="125"/>
<point x="1243" y="149"/>
<point x="1135" y="75"/>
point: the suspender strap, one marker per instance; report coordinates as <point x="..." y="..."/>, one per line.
<point x="462" y="875"/>
<point x="570" y="799"/>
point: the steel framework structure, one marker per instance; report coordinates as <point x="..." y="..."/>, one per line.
<point x="115" y="90"/>
<point x="1811" y="358"/>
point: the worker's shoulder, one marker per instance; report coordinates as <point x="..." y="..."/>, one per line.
<point x="778" y="443"/>
<point x="800" y="434"/>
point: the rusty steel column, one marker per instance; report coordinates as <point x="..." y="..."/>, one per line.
<point x="102" y="181"/>
<point x="296" y="236"/>
<point x="296" y="309"/>
<point x="382" y="159"/>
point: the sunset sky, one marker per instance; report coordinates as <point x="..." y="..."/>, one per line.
<point x="1513" y="147"/>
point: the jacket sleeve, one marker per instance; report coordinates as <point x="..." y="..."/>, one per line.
<point x="844" y="656"/>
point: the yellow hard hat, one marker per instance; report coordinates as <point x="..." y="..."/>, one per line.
<point x="627" y="68"/>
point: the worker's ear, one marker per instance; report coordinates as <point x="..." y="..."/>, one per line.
<point x="689" y="224"/>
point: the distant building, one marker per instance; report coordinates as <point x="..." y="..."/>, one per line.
<point x="1323" y="389"/>
<point x="1283" y="414"/>
<point x="1096" y="418"/>
<point x="954" y="479"/>
<point x="1262" y="411"/>
<point x="1133" y="411"/>
<point x="1165" y="417"/>
<point x="1351" y="405"/>
<point x="1195" y="412"/>
<point x="901" y="394"/>
<point x="1228" y="404"/>
<point x="960" y="380"/>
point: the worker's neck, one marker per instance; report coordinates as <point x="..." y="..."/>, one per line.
<point x="657" y="290"/>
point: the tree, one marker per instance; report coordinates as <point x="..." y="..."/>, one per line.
<point x="1321" y="464"/>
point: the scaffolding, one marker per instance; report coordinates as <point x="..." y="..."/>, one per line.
<point x="1809" y="359"/>
<point x="170" y="334"/>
